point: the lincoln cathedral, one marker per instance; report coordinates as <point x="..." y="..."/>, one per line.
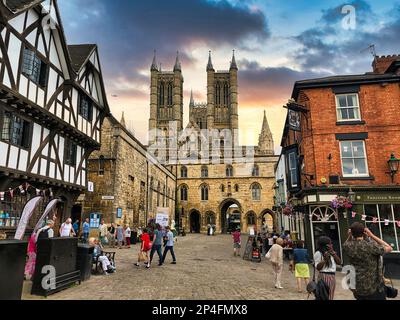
<point x="227" y="193"/>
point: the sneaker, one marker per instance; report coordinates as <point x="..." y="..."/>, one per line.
<point x="147" y="266"/>
<point x="105" y="273"/>
<point x="137" y="264"/>
<point x="173" y="262"/>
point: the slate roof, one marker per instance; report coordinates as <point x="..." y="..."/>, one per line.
<point x="19" y="5"/>
<point x="79" y="54"/>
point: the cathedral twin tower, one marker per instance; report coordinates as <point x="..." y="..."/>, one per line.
<point x="220" y="112"/>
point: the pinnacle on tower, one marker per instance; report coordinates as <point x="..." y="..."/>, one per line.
<point x="233" y="62"/>
<point x="191" y="104"/>
<point x="210" y="66"/>
<point x="154" y="64"/>
<point x="177" y="66"/>
<point x="123" y="123"/>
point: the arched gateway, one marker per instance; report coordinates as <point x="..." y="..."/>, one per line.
<point x="195" y="221"/>
<point x="230" y="215"/>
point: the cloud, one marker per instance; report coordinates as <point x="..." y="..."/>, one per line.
<point x="261" y="86"/>
<point x="328" y="47"/>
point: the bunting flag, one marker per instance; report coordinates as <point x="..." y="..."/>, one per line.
<point x="363" y="217"/>
<point x="386" y="222"/>
<point x="23" y="189"/>
<point x="375" y="220"/>
<point x="353" y="214"/>
<point x="398" y="223"/>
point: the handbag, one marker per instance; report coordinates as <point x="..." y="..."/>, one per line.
<point x="390" y="291"/>
<point x="312" y="285"/>
<point x="142" y="257"/>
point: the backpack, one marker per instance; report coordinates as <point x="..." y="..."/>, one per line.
<point x="322" y="291"/>
<point x="44" y="234"/>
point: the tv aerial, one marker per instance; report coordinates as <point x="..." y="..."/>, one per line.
<point x="372" y="49"/>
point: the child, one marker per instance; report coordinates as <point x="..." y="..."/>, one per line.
<point x="236" y="242"/>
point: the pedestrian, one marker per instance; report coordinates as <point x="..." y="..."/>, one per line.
<point x="169" y="246"/>
<point x="128" y="233"/>
<point x="157" y="245"/>
<point x="120" y="235"/>
<point x="47" y="231"/>
<point x="66" y="229"/>
<point x="86" y="230"/>
<point x="76" y="226"/>
<point x="264" y="239"/>
<point x="144" y="249"/>
<point x="275" y="255"/>
<point x="270" y="242"/>
<point x="111" y="235"/>
<point x="236" y="242"/>
<point x="299" y="263"/>
<point x="365" y="251"/>
<point x="326" y="261"/>
<point x="103" y="232"/>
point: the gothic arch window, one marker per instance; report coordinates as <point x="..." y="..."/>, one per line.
<point x="226" y="94"/>
<point x="184" y="172"/>
<point x="161" y="94"/>
<point x="184" y="193"/>
<point x="204" y="172"/>
<point x="101" y="165"/>
<point x="170" y="95"/>
<point x="229" y="171"/>
<point x="256" y="171"/>
<point x="210" y="218"/>
<point x="218" y="94"/>
<point x="204" y="192"/>
<point x="256" y="192"/>
<point x="251" y="219"/>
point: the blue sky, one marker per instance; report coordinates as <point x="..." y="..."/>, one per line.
<point x="276" y="43"/>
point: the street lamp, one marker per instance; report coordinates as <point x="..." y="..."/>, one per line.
<point x="393" y="163"/>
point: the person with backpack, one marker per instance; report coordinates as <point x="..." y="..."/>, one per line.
<point x="46" y="232"/>
<point x="326" y="261"/>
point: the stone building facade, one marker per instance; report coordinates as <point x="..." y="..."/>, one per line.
<point x="214" y="186"/>
<point x="129" y="183"/>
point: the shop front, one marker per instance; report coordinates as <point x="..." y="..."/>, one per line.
<point x="378" y="209"/>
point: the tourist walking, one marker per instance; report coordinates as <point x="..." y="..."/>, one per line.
<point x="157" y="245"/>
<point x="300" y="264"/>
<point x="128" y="234"/>
<point x="236" y="242"/>
<point x="86" y="230"/>
<point x="144" y="249"/>
<point x="120" y="235"/>
<point x="66" y="229"/>
<point x="103" y="232"/>
<point x="111" y="235"/>
<point x="365" y="251"/>
<point x="75" y="226"/>
<point x="169" y="246"/>
<point x="275" y="255"/>
<point x="326" y="261"/>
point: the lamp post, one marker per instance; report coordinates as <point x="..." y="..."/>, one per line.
<point x="393" y="164"/>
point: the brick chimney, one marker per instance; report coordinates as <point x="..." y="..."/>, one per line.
<point x="382" y="63"/>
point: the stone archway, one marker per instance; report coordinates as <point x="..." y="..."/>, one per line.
<point x="268" y="218"/>
<point x="230" y="215"/>
<point x="195" y="221"/>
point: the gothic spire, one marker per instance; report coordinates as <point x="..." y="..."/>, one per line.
<point x="123" y="123"/>
<point x="233" y="62"/>
<point x="191" y="99"/>
<point x="265" y="128"/>
<point x="266" y="140"/>
<point x="210" y="66"/>
<point x="154" y="64"/>
<point x="177" y="66"/>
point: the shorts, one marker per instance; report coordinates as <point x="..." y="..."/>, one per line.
<point x="302" y="270"/>
<point x="236" y="246"/>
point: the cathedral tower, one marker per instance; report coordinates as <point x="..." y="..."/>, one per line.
<point x="266" y="141"/>
<point x="166" y="98"/>
<point x="222" y="96"/>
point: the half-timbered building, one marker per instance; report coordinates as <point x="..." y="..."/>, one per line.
<point x="52" y="105"/>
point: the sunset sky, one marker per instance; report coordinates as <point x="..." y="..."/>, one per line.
<point x="276" y="43"/>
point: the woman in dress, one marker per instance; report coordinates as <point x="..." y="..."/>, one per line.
<point x="144" y="250"/>
<point x="299" y="263"/>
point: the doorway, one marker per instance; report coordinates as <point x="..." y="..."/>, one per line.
<point x="195" y="222"/>
<point x="231" y="216"/>
<point x="327" y="229"/>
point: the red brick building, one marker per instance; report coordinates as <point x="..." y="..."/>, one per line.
<point x="339" y="136"/>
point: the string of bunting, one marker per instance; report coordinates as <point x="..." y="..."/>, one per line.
<point x="23" y="189"/>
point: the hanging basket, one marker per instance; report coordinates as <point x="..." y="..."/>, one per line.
<point x="288" y="211"/>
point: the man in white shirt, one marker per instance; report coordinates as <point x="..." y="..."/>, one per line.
<point x="66" y="229"/>
<point x="128" y="233"/>
<point x="169" y="246"/>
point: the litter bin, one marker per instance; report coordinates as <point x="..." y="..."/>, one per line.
<point x="84" y="260"/>
<point x="134" y="238"/>
<point x="12" y="268"/>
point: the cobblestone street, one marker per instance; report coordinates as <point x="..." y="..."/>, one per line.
<point x="206" y="269"/>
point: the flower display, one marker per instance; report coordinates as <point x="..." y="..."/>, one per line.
<point x="341" y="203"/>
<point x="287" y="211"/>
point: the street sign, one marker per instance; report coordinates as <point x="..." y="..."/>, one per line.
<point x="94" y="220"/>
<point x="107" y="198"/>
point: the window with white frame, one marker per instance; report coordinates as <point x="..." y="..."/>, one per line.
<point x="382" y="219"/>
<point x="293" y="169"/>
<point x="354" y="159"/>
<point x="348" y="107"/>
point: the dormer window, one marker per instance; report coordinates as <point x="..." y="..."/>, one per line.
<point x="34" y="68"/>
<point x="85" y="107"/>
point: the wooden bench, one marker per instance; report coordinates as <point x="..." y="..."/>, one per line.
<point x="96" y="264"/>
